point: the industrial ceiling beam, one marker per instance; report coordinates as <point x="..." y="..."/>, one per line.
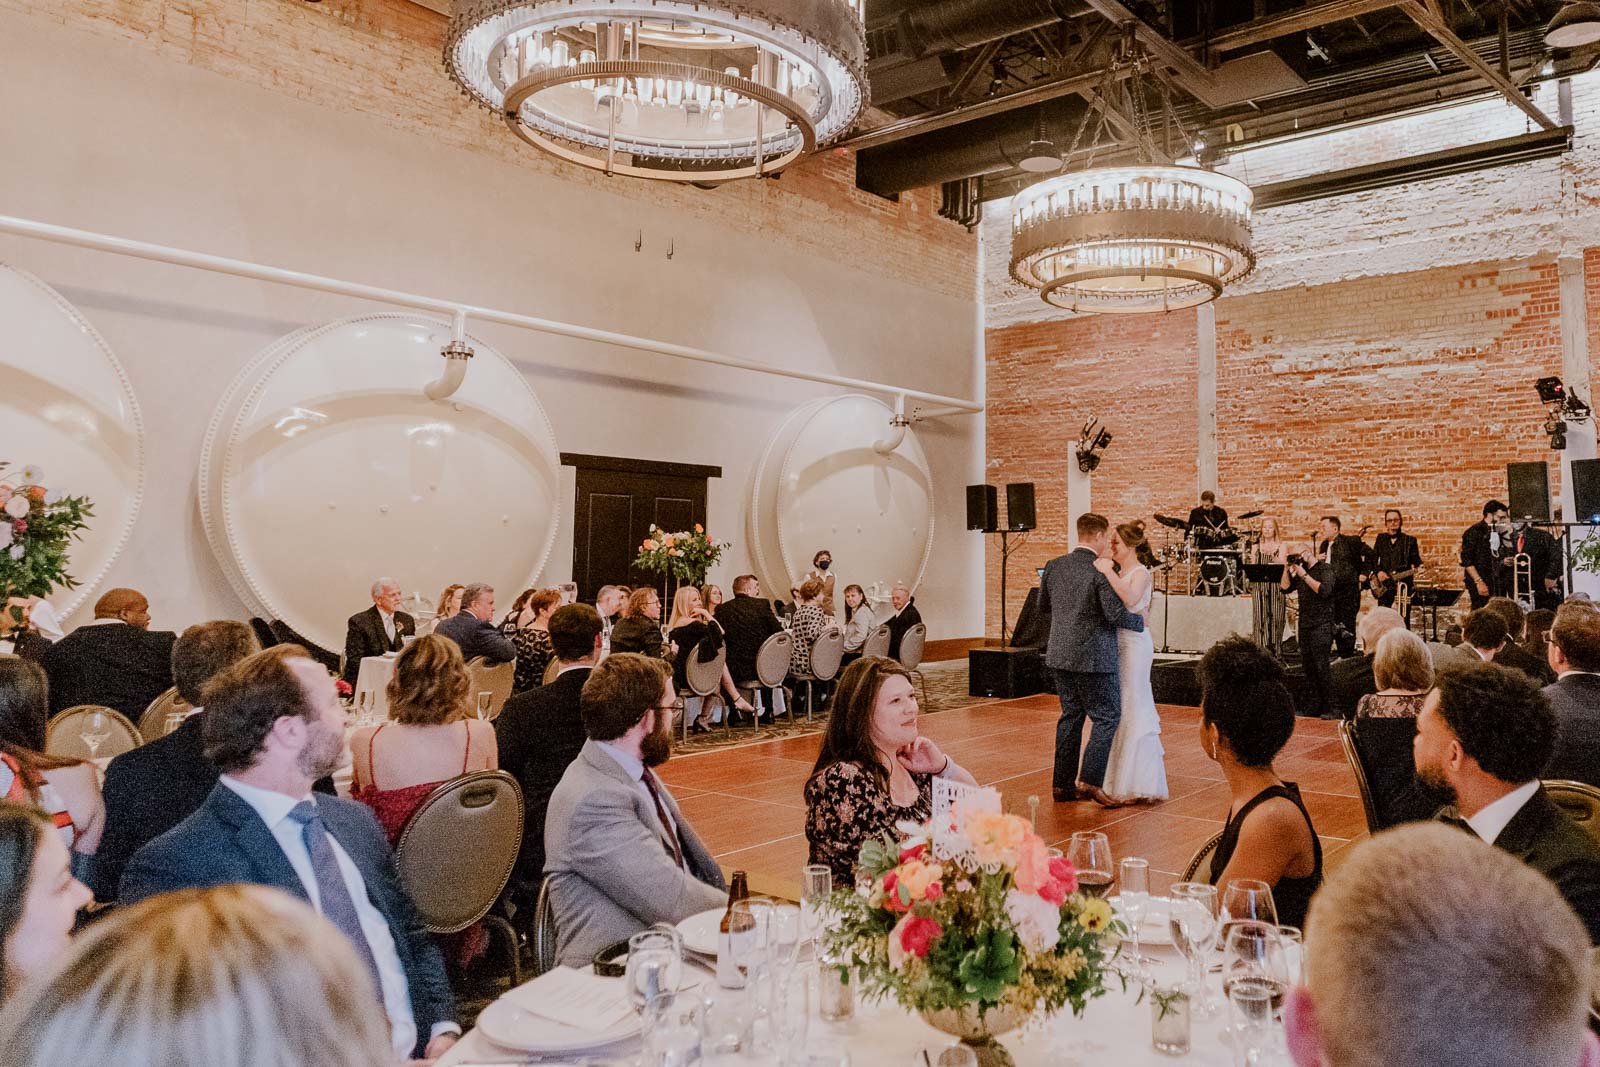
<point x="1187" y="71"/>
<point x="1429" y="18"/>
<point x="1310" y="17"/>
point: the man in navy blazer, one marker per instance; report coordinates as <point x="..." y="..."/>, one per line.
<point x="272" y="726"/>
<point x="471" y="629"/>
<point x="1085" y="613"/>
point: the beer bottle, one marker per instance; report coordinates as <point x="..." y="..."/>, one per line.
<point x="735" y="935"/>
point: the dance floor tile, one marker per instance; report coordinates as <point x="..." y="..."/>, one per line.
<point x="1166" y="841"/>
<point x="1334" y="815"/>
<point x="726" y="823"/>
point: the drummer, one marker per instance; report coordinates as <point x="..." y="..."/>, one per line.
<point x="1209" y="523"/>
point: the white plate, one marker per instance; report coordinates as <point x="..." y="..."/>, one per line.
<point x="700" y="931"/>
<point x="1154" y="930"/>
<point x="512" y="1027"/>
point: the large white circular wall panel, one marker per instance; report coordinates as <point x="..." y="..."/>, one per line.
<point x="821" y="484"/>
<point x="325" y="467"/>
<point x="66" y="407"/>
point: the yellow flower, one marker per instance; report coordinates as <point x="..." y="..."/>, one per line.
<point x="1094" y="915"/>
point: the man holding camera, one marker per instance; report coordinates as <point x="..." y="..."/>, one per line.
<point x="1313" y="579"/>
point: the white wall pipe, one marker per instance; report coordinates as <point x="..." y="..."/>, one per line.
<point x="456" y="356"/>
<point x="243" y="269"/>
<point x="898" y="424"/>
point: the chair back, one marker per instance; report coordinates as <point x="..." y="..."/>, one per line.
<point x="877" y="642"/>
<point x="705" y="678"/>
<point x="1580" y="802"/>
<point x="496" y="681"/>
<point x="64" y="735"/>
<point x="912" y="645"/>
<point x="551" y="669"/>
<point x="1380" y="751"/>
<point x="457" y="850"/>
<point x="544" y="931"/>
<point x="153" y="723"/>
<point x="264" y="635"/>
<point x="826" y="652"/>
<point x="287" y="635"/>
<point x="1199" y="869"/>
<point x="772" y="659"/>
<point x="1352" y="753"/>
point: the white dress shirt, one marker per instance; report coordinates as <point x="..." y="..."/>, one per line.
<point x="274" y="808"/>
<point x="1492" y="819"/>
<point x="1569" y="674"/>
<point x="635" y="770"/>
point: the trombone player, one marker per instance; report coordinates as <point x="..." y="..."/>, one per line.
<point x="1530" y="566"/>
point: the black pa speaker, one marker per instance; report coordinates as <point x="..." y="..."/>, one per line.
<point x="983" y="510"/>
<point x="1528" y="486"/>
<point x="1019" y="506"/>
<point x="1586" y="490"/>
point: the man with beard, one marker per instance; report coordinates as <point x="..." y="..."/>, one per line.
<point x="1484" y="735"/>
<point x="619" y="855"/>
<point x="273" y="726"/>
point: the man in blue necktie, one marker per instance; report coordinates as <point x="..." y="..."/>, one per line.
<point x="273" y="726"/>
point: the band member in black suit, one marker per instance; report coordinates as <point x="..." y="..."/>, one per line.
<point x="1396" y="557"/>
<point x="1208" y="522"/>
<point x="1313" y="581"/>
<point x="116" y="660"/>
<point x="377" y="630"/>
<point x="1544" y="565"/>
<point x="1481" y="546"/>
<point x="1346" y="556"/>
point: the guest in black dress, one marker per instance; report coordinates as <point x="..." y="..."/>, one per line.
<point x="694" y="632"/>
<point x="1246" y="717"/>
<point x="640" y="628"/>
<point x="528" y="626"/>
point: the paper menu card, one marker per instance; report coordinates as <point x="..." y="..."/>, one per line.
<point x="952" y="802"/>
<point x="580" y="999"/>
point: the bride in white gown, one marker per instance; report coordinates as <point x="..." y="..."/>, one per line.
<point x="1136" y="772"/>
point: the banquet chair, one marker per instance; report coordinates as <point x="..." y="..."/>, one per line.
<point x="772" y="667"/>
<point x="1199" y="869"/>
<point x="544" y="931"/>
<point x="264" y="635"/>
<point x="551" y="669"/>
<point x="496" y="681"/>
<point x="153" y="723"/>
<point x="912" y="645"/>
<point x="705" y="679"/>
<point x="1580" y="801"/>
<point x="457" y="851"/>
<point x="826" y="652"/>
<point x="1379" y="751"/>
<point x="64" y="735"/>
<point x="287" y="635"/>
<point x="1347" y="740"/>
<point x="877" y="642"/>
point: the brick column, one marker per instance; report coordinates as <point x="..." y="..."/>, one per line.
<point x="1206" y="337"/>
<point x="1575" y="373"/>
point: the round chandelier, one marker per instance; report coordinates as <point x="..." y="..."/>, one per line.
<point x="1153" y="236"/>
<point x="678" y="90"/>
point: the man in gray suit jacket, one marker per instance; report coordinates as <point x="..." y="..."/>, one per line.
<point x="1574" y="654"/>
<point x="1085" y="613"/>
<point x="618" y="854"/>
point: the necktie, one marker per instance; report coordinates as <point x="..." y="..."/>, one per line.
<point x="661" y="813"/>
<point x="388" y="628"/>
<point x="337" y="906"/>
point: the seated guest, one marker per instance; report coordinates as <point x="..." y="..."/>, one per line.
<point x="116" y="660"/>
<point x="618" y="852"/>
<point x="874" y="769"/>
<point x="711" y="597"/>
<point x="381" y="628"/>
<point x="1350" y="678"/>
<point x="858" y="622"/>
<point x="1484" y="634"/>
<point x="472" y="629"/>
<point x="18" y="637"/>
<point x="609" y="602"/>
<point x="1536" y="638"/>
<point x="540" y="732"/>
<point x="68" y="790"/>
<point x="1386" y="728"/>
<point x="747" y="621"/>
<point x="1402" y="671"/>
<point x="1512" y="654"/>
<point x="640" y="627"/>
<point x="42" y="897"/>
<point x="806" y="627"/>
<point x="1246" y="717"/>
<point x="904" y="618"/>
<point x="273" y="725"/>
<point x="1574" y="655"/>
<point x="449" y="604"/>
<point x="1484" y="735"/>
<point x="529" y="630"/>
<point x="1429" y="950"/>
<point x="238" y="976"/>
<point x="694" y="632"/>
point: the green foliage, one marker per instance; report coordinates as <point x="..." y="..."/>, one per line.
<point x="1586" y="553"/>
<point x="34" y="547"/>
<point x="991" y="967"/>
<point x="687" y="555"/>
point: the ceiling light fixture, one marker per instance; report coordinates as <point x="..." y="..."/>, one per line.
<point x="1574" y="26"/>
<point x="1125" y="240"/>
<point x="1042" y="156"/>
<point x="679" y="90"/>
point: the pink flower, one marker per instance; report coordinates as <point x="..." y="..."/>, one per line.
<point x="343" y="688"/>
<point x="1061" y="870"/>
<point x="649" y="544"/>
<point x="19" y="527"/>
<point x="913" y="852"/>
<point x="891" y="893"/>
<point x="1053" y="891"/>
<point x="917" y="934"/>
<point x="1033" y="864"/>
<point x="935" y="891"/>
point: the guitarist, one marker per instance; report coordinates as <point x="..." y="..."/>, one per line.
<point x="1396" y="558"/>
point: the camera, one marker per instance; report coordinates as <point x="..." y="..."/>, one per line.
<point x="1295" y="559"/>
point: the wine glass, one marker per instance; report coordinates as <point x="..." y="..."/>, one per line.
<point x="816" y="884"/>
<point x="1253" y="956"/>
<point x="1193" y="919"/>
<point x="96" y="728"/>
<point x="174" y="720"/>
<point x="1251" y="1005"/>
<point x="1249" y="899"/>
<point x="1089" y="852"/>
<point x="655" y="966"/>
<point x="672" y="1024"/>
<point x="364" y="707"/>
<point x="1134" y="887"/>
<point x="484" y="700"/>
<point x="1294" y="952"/>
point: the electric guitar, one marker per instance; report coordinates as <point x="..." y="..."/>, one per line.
<point x="1380" y="587"/>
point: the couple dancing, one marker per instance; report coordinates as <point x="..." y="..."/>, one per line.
<point x="1097" y="597"/>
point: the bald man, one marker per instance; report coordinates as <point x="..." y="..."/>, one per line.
<point x="116" y="660"/>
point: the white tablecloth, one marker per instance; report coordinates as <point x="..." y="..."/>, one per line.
<point x="374" y="678"/>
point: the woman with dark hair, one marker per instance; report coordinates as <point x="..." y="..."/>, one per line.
<point x="858" y="622"/>
<point x="528" y="626"/>
<point x="809" y="621"/>
<point x="68" y="790"/>
<point x="640" y="627"/>
<point x="1246" y="717"/>
<point x="39" y="897"/>
<point x="874" y="768"/>
<point x="1136" y="771"/>
<point x="819" y="572"/>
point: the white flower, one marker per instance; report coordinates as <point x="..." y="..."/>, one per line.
<point x="32" y="475"/>
<point x="16" y="551"/>
<point x="17" y="506"/>
<point x="6" y="533"/>
<point x="1038" y="921"/>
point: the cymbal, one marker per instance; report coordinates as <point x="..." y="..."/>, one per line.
<point x="1168" y="520"/>
<point x="1250" y="515"/>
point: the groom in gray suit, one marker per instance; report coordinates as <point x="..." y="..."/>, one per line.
<point x="1085" y="613"/>
<point x="619" y="854"/>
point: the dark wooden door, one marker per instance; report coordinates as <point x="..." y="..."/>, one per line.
<point x="616" y="501"/>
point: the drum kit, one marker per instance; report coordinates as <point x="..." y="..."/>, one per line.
<point x="1213" y="559"/>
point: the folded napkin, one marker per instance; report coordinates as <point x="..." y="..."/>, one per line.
<point x="580" y="999"/>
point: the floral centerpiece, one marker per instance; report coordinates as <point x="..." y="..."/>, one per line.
<point x="37" y="527"/>
<point x="685" y="557"/>
<point x="977" y="938"/>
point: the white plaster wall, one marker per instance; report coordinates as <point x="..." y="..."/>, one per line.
<point x="103" y="137"/>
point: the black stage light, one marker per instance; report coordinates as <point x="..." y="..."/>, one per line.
<point x="1551" y="391"/>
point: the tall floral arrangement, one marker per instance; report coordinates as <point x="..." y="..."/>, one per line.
<point x="37" y="528"/>
<point x="686" y="556"/>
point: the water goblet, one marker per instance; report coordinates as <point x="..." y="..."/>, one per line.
<point x="1251" y="1005"/>
<point x="654" y="967"/>
<point x="1192" y="916"/>
<point x="96" y="728"/>
<point x="672" y="1027"/>
<point x="1249" y="899"/>
<point x="485" y="699"/>
<point x="1253" y="956"/>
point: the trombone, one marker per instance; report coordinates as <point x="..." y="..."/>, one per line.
<point x="1522" y="580"/>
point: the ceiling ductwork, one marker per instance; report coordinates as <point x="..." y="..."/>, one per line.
<point x="907" y="47"/>
<point x="986" y="146"/>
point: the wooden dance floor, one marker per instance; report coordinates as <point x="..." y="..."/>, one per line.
<point x="748" y="805"/>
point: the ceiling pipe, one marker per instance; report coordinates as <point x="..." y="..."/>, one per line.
<point x="953" y="25"/>
<point x="456" y="355"/>
<point x="898" y="424"/>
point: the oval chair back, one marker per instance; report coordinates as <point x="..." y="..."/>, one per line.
<point x="496" y="681"/>
<point x="1199" y="869"/>
<point x="912" y="645"/>
<point x="705" y="678"/>
<point x="877" y="642"/>
<point x="551" y="669"/>
<point x="826" y="652"/>
<point x="1580" y="802"/>
<point x="544" y="932"/>
<point x="772" y="659"/>
<point x="153" y="723"/>
<point x="64" y="735"/>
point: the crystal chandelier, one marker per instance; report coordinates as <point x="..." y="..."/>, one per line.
<point x="681" y="90"/>
<point x="1123" y="240"/>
